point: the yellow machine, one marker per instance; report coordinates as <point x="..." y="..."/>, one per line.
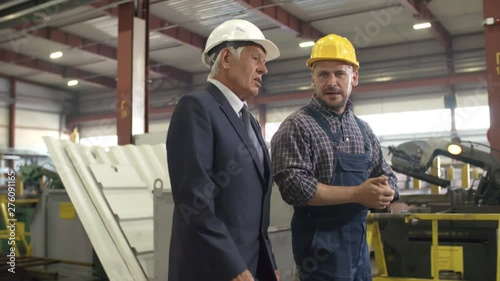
<point x="452" y="236"/>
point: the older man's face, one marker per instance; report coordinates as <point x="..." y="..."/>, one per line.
<point x="245" y="73"/>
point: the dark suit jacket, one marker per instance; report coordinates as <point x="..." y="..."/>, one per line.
<point x="222" y="198"/>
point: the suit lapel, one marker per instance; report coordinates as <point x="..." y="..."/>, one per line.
<point x="267" y="160"/>
<point x="240" y="129"/>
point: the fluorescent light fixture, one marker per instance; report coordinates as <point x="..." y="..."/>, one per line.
<point x="72" y="83"/>
<point x="422" y="25"/>
<point x="306" y="44"/>
<point x="383" y="79"/>
<point x="56" y="55"/>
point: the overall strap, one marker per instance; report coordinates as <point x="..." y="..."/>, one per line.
<point x="363" y="130"/>
<point x="322" y="122"/>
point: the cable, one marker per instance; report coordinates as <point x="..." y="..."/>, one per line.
<point x="482" y="144"/>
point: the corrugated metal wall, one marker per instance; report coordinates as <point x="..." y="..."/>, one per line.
<point x="40" y="111"/>
<point x="375" y="67"/>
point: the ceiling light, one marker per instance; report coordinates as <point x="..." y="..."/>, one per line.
<point x="422" y="25"/>
<point x="56" y="55"/>
<point x="306" y="44"/>
<point x="72" y="83"/>
<point x="383" y="79"/>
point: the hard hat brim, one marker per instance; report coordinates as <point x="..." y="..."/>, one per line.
<point x="310" y="62"/>
<point x="271" y="50"/>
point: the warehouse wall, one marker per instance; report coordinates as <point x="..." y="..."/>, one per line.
<point x="40" y="112"/>
<point x="382" y="108"/>
<point x="103" y="133"/>
<point x="4" y="126"/>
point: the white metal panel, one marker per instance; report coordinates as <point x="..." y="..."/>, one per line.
<point x="119" y="182"/>
<point x="82" y="159"/>
<point x="140" y="234"/>
<point x="163" y="210"/>
<point x="102" y="241"/>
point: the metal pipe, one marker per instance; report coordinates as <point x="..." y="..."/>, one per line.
<point x="30" y="10"/>
<point x="11" y="3"/>
<point x="373" y="217"/>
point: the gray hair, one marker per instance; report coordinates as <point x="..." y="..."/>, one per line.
<point x="214" y="70"/>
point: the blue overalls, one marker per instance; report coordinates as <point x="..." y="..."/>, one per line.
<point x="329" y="241"/>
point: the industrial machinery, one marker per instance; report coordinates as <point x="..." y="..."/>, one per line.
<point x="452" y="236"/>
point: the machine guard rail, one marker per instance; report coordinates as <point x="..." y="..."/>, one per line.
<point x="374" y="238"/>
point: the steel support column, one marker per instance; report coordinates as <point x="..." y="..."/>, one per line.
<point x="12" y="118"/>
<point x="491" y="9"/>
<point x="12" y="114"/>
<point x="131" y="74"/>
<point x="144" y="14"/>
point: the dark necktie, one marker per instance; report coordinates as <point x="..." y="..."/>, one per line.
<point x="245" y="116"/>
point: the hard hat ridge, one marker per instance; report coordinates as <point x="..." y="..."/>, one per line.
<point x="238" y="33"/>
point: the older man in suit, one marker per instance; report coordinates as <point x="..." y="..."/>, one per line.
<point x="219" y="166"/>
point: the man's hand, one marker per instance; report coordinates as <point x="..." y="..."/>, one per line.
<point x="278" y="275"/>
<point x="244" y="276"/>
<point x="374" y="193"/>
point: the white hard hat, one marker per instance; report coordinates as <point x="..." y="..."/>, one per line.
<point x="241" y="31"/>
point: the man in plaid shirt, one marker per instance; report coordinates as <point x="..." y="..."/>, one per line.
<point x="329" y="165"/>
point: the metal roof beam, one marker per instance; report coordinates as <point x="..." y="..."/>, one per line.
<point x="90" y="46"/>
<point x="283" y="18"/>
<point x="419" y="9"/>
<point x="173" y="31"/>
<point x="63" y="71"/>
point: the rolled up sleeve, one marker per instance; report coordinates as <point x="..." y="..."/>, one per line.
<point x="292" y="165"/>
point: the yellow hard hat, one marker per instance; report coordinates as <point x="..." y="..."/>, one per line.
<point x="333" y="47"/>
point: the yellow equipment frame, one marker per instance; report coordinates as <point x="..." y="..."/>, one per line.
<point x="20" y="232"/>
<point x="374" y="239"/>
